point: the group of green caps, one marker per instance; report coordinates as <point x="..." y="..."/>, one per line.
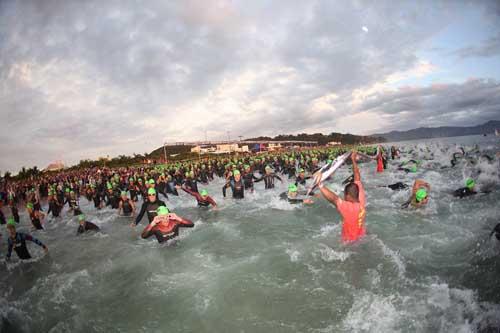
<point x="421" y="194"/>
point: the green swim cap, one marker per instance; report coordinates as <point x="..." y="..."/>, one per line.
<point x="420" y="195"/>
<point x="123" y="193"/>
<point x="292" y="188"/>
<point x="131" y="179"/>
<point x="151" y="181"/>
<point x="29" y="205"/>
<point x="470" y="183"/>
<point x="81" y="217"/>
<point x="67" y="190"/>
<point x="11" y="221"/>
<point x="203" y="193"/>
<point x="236" y="172"/>
<point x="151" y="190"/>
<point x="413" y="168"/>
<point x="246" y="166"/>
<point x="162" y="210"/>
<point x="301" y="170"/>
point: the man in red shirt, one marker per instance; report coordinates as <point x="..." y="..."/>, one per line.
<point x="352" y="207"/>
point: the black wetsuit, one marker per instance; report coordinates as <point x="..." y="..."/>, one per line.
<point x="397" y="186"/>
<point x="463" y="192"/>
<point x="301" y="180"/>
<point x="496" y="231"/>
<point x="248" y="179"/>
<point x="268" y="180"/>
<point x="19" y="245"/>
<point x="192" y="184"/>
<point x="54" y="207"/>
<point x="88" y="226"/>
<point x="96" y="197"/>
<point x="170" y="187"/>
<point x="126" y="206"/>
<point x="2" y="218"/>
<point x="237" y="187"/>
<point x="161" y="187"/>
<point x="204" y="177"/>
<point x="35" y="221"/>
<point x="132" y="188"/>
<point x="73" y="204"/>
<point x="15" y="212"/>
<point x="113" y="200"/>
<point x="150" y="208"/>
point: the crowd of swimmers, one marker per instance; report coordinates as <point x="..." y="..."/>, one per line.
<point x="128" y="188"/>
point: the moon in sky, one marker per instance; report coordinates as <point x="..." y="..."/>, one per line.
<point x="365" y="29"/>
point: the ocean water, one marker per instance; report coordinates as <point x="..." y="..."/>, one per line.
<point x="263" y="265"/>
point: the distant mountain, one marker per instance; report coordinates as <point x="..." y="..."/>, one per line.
<point x="440" y="132"/>
<point x="322" y="139"/>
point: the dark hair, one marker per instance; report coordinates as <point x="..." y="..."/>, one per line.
<point x="353" y="190"/>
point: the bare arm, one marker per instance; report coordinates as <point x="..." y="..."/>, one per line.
<point x="355" y="169"/>
<point x="329" y="195"/>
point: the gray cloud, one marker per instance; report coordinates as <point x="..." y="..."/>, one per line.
<point x="80" y="79"/>
<point x="487" y="48"/>
<point x="470" y="103"/>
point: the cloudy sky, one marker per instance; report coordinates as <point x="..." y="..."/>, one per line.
<point x="82" y="79"/>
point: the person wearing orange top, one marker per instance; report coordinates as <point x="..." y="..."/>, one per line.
<point x="352" y="207"/>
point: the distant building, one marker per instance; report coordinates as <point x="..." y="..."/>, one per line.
<point x="224" y="148"/>
<point x="55" y="166"/>
<point x="273" y="146"/>
<point x="204" y="149"/>
<point x="334" y="143"/>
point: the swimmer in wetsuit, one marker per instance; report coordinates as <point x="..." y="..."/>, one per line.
<point x="54" y="206"/>
<point x="203" y="199"/>
<point x="85" y="225"/>
<point x="165" y="225"/>
<point x="126" y="206"/>
<point x="150" y="205"/>
<point x="248" y="178"/>
<point x="35" y="216"/>
<point x="419" y="195"/>
<point x="268" y="178"/>
<point x="17" y="242"/>
<point x="292" y="196"/>
<point x="466" y="191"/>
<point x="236" y="184"/>
<point x="301" y="178"/>
<point x="397" y="186"/>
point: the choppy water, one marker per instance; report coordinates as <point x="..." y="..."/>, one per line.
<point x="263" y="265"/>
